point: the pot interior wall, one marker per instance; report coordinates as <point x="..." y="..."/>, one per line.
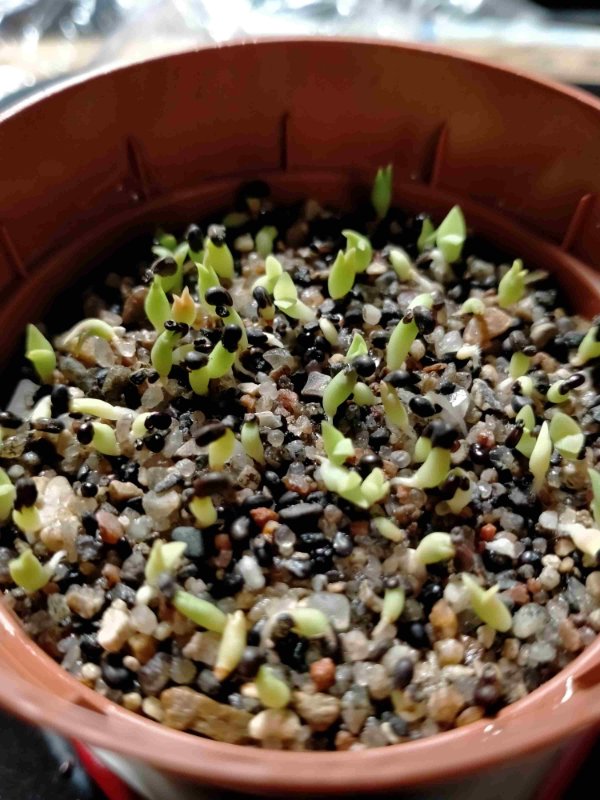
<point x="114" y="244"/>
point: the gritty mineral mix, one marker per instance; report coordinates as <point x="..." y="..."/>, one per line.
<point x="309" y="480"/>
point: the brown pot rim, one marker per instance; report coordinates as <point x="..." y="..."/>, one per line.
<point x="440" y="51"/>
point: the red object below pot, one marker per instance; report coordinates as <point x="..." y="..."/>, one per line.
<point x="112" y="786"/>
<point x="86" y="168"/>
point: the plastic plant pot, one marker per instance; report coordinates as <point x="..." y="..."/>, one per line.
<point x="88" y="167"/>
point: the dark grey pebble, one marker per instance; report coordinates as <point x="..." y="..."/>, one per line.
<point x="192" y="538"/>
<point x="132" y="569"/>
<point x="168" y="483"/>
<point x="484" y="397"/>
<point x="154" y="675"/>
<point x="300" y="512"/>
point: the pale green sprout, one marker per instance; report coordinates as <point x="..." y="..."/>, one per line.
<point x="511" y="288"/>
<point x="519" y="364"/>
<point x="527" y="416"/>
<point x="97" y="408"/>
<point x="450" y="236"/>
<point x="358" y="347"/>
<point x="585" y="539"/>
<point x="174" y="283"/>
<point x="589" y="347"/>
<point x="184" y="308"/>
<point x="348" y="484"/>
<point x="381" y="194"/>
<point x="88" y="327"/>
<point x="28" y="521"/>
<point x="221" y="450"/>
<point x="341" y="275"/>
<point x="554" y="394"/>
<point x="206" y="615"/>
<point x="285" y="295"/>
<point x="539" y="461"/>
<point x="310" y="622"/>
<point x="207" y="279"/>
<point x="404" y="334"/>
<point x="199" y="379"/>
<point x="42" y="409"/>
<point x="244" y="243"/>
<point x="533" y="276"/>
<point x="165" y="240"/>
<point x="285" y="291"/>
<point x="594" y="476"/>
<point x="395" y="412"/>
<point x="251" y="441"/>
<point x="375" y="487"/>
<point x="422" y="449"/>
<point x="329" y="331"/>
<point x="473" y="305"/>
<point x="264" y="240"/>
<point x="40" y="352"/>
<point x="434" y="470"/>
<point x="204" y="511"/>
<point x="427" y="236"/>
<point x="28" y="573"/>
<point x="179" y="252"/>
<point x="164" y="557"/>
<point x="165" y="245"/>
<point x="272" y="691"/>
<point x="231" y="646"/>
<point x="526" y="385"/>
<point x="387" y="529"/>
<point x="343" y="481"/>
<point x="138" y="428"/>
<point x="435" y="547"/>
<point x="402" y="264"/>
<point x="399" y="343"/>
<point x="338" y="390"/>
<point x="425" y="300"/>
<point x="7" y="495"/>
<point x="219" y="258"/>
<point x="156" y="305"/>
<point x="527" y="441"/>
<point x="487" y="605"/>
<point x="273" y="271"/>
<point x="219" y="363"/>
<point x="393" y="604"/>
<point x="161" y="354"/>
<point x="461" y="497"/>
<point x="104" y="439"/>
<point x="567" y="437"/>
<point x="337" y="447"/>
<point x="363" y="395"/>
<point x="363" y="252"/>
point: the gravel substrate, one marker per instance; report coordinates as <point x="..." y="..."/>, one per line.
<point x="276" y="518"/>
